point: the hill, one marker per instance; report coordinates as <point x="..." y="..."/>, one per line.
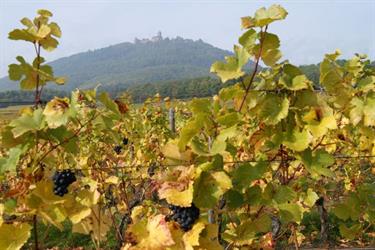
<point x="147" y="60"/>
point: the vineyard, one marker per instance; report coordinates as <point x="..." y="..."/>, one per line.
<point x="268" y="163"/>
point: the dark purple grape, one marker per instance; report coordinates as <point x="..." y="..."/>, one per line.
<point x="185" y="216"/>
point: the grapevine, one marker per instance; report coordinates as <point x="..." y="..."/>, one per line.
<point x="248" y="168"/>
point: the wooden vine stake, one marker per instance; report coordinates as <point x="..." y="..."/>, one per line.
<point x="172" y="120"/>
<point x="323" y="220"/>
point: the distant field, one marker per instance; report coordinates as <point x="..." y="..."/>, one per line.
<point x="10" y="112"/>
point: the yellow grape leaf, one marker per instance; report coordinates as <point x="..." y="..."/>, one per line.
<point x="191" y="238"/>
<point x="13" y="236"/>
<point x="1" y="213"/>
<point x="247" y="22"/>
<point x="171" y="151"/>
<point x="43" y="31"/>
<point x="177" y="186"/>
<point x="153" y="234"/>
<point x="97" y="224"/>
<point x="112" y="180"/>
<point x="208" y="238"/>
<point x="56" y="112"/>
<point x="47" y="204"/>
<point x="265" y="16"/>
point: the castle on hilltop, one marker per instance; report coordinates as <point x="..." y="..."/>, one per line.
<point x="154" y="39"/>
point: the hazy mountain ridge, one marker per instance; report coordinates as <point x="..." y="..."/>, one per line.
<point x="128" y="63"/>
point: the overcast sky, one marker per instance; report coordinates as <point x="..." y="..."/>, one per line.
<point x="312" y="28"/>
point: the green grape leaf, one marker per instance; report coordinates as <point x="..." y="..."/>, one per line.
<point x="24" y="72"/>
<point x="297" y="140"/>
<point x="229" y="119"/>
<point x="300" y="82"/>
<point x="356" y="113"/>
<point x="200" y="106"/>
<point x="317" y="162"/>
<point x="284" y="194"/>
<point x="14" y="236"/>
<point x="18" y="34"/>
<point x="191" y="129"/>
<point x="234" y="199"/>
<point x="290" y="212"/>
<point x="28" y="122"/>
<point x="352" y="232"/>
<point x="341" y="211"/>
<point x="65" y="137"/>
<point x="246" y="173"/>
<point x="366" y="84"/>
<point x="49" y="43"/>
<point x="247" y="40"/>
<point x="55" y="29"/>
<point x="369" y="110"/>
<point x="310" y="198"/>
<point x="253" y="195"/>
<point x="273" y="109"/>
<point x="218" y="147"/>
<point x="246" y="232"/>
<point x="10" y="163"/>
<point x="270" y="42"/>
<point x="232" y="68"/>
<point x="109" y="103"/>
<point x="209" y="187"/>
<point x="271" y="56"/>
<point x="27" y="22"/>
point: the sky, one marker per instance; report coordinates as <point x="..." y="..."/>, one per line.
<point x="311" y="29"/>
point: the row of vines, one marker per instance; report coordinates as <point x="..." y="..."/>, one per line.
<point x="245" y="169"/>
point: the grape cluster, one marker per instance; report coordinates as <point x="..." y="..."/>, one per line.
<point x="185" y="216"/>
<point x="125" y="141"/>
<point x="62" y="180"/>
<point x="117" y="149"/>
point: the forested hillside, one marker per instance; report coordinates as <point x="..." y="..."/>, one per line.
<point x="130" y="63"/>
<point x="180" y="89"/>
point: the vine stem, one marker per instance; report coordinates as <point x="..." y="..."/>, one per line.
<point x="255" y="68"/>
<point x="36" y="244"/>
<point x="37" y="92"/>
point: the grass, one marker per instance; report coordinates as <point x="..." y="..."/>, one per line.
<point x="52" y="237"/>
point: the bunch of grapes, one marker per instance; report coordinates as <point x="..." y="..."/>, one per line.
<point x="62" y="180"/>
<point x="125" y="141"/>
<point x="117" y="149"/>
<point x="185" y="216"/>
